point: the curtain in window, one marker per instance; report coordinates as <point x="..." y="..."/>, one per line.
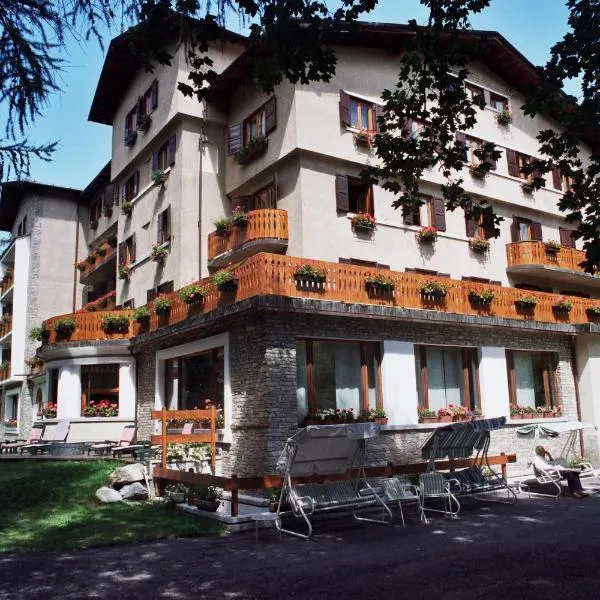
<point x="524" y="376"/>
<point x="444" y="376"/>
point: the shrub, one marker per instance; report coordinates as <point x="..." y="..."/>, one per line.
<point x="64" y="326"/>
<point x="115" y="323"/>
<point x="162" y="305"/>
<point x="127" y="208"/>
<point x="224" y="279"/>
<point x="38" y="334"/>
<point x="191" y="293"/>
<point x="141" y="314"/>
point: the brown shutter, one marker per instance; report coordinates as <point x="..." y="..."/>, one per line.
<point x="378" y="115"/>
<point x="234" y="139"/>
<point x="409" y="218"/>
<point x="566" y="238"/>
<point x="121" y="253"/>
<point x="515" y="235"/>
<point x="513" y="166"/>
<point x="344" y="108"/>
<point x="341" y="193"/>
<point x="136" y="183"/>
<point x="141" y="110"/>
<point x="172" y="147"/>
<point x="439" y="214"/>
<point x="556" y="179"/>
<point x="150" y="294"/>
<point x="154" y="161"/>
<point x="536" y="232"/>
<point x="270" y="115"/>
<point x="109" y="194"/>
<point x="472" y="227"/>
<point x="154" y="94"/>
<point x="160" y="237"/>
<point x="510" y="367"/>
<point x="167" y="224"/>
<point x="460" y="137"/>
<point x="132" y="258"/>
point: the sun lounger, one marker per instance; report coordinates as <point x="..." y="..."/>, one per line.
<point x="127" y="437"/>
<point x="53" y="434"/>
<point x="12" y="447"/>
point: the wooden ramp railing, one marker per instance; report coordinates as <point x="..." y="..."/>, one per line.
<point x="199" y="415"/>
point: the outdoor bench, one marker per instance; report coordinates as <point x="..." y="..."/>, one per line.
<point x="473" y="482"/>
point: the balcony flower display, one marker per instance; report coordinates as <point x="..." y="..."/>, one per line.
<point x="552" y="246"/>
<point x="427" y="235"/>
<point x="593" y="312"/>
<point x="222" y="226"/>
<point x="114" y="323"/>
<point x="225" y="280"/>
<point x="162" y="305"/>
<point x="363" y="222"/>
<point x="307" y="273"/>
<point x="39" y="334"/>
<point x="158" y="177"/>
<point x="124" y="272"/>
<point x="427" y="415"/>
<point x="433" y="290"/>
<point x="192" y="293"/>
<point x="144" y="122"/>
<point x="10" y="423"/>
<point x="159" y="253"/>
<point x="49" y="411"/>
<point x="526" y="303"/>
<point x="141" y="314"/>
<point x="444" y="415"/>
<point x="479" y="169"/>
<point x="254" y="148"/>
<point x="563" y="306"/>
<point x="458" y="412"/>
<point x="239" y="217"/>
<point x="64" y="327"/>
<point x="364" y="137"/>
<point x="91" y="259"/>
<point x="101" y="251"/>
<point x="102" y="408"/>
<point x="504" y="117"/>
<point x="480" y="245"/>
<point x="380" y="283"/>
<point x="81" y="265"/>
<point x="126" y="208"/>
<point x="483" y="298"/>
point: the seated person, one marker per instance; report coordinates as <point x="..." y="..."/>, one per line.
<point x="542" y="463"/>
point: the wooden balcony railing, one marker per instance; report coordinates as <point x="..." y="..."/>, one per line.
<point x="6" y="283"/>
<point x="5" y="325"/>
<point x="105" y="302"/>
<point x="534" y="253"/>
<point x="98" y="261"/>
<point x="274" y="274"/>
<point x="264" y="223"/>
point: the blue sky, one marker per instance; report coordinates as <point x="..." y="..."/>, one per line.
<point x="84" y="147"/>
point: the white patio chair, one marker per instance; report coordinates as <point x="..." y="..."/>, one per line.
<point x="433" y="486"/>
<point x="399" y="489"/>
<point x="543" y="478"/>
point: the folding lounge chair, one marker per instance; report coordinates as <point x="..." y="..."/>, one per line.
<point x="434" y="486"/>
<point x="53" y="434"/>
<point x="399" y="489"/>
<point x="127" y="437"/>
<point x="542" y="478"/>
<point x="34" y="436"/>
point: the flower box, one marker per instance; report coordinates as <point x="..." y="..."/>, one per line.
<point x="253" y="149"/>
<point x="528" y="415"/>
<point x="593" y="313"/>
<point x="379" y="284"/>
<point x="427" y="235"/>
<point x="130" y="138"/>
<point x="527" y="187"/>
<point x="225" y="281"/>
<point x="478" y="171"/>
<point x="309" y="274"/>
<point x="552" y="247"/>
<point x="208" y="505"/>
<point x="364" y="222"/>
<point x="564" y="307"/>
<point x="516" y="416"/>
<point x="480" y="245"/>
<point x="144" y="122"/>
<point x="525" y="304"/>
<point x="481" y="298"/>
<point x="504" y="117"/>
<point x="445" y="418"/>
<point x="433" y="291"/>
<point x="381" y="420"/>
<point x="429" y="419"/>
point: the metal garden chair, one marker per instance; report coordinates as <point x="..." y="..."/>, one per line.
<point x="399" y="489"/>
<point x="434" y="486"/>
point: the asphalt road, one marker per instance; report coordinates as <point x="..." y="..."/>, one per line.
<point x="537" y="548"/>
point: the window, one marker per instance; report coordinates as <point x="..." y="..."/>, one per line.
<point x="53" y="386"/>
<point x="362" y="263"/>
<point x="516" y="161"/>
<point x="498" y="102"/>
<point x="532" y="378"/>
<point x="165" y="288"/>
<point x="413" y="216"/>
<point x="259" y="124"/>
<point x="163" y="234"/>
<point x="164" y="157"/>
<point x="191" y="380"/>
<point x="525" y="230"/>
<point x="127" y="251"/>
<point x="358" y="113"/>
<point x="11" y="407"/>
<point x="129" y="303"/>
<point x="431" y="211"/>
<point x="475" y="93"/>
<point x="22" y="227"/>
<point x="130" y="189"/>
<point x="562" y="183"/>
<point x="447" y="375"/>
<point x="265" y="197"/>
<point x="95" y="210"/>
<point x="100" y="384"/>
<point x="131" y="121"/>
<point x="148" y="101"/>
<point x="475" y="228"/>
<point x="336" y="375"/>
<point x="352" y="195"/>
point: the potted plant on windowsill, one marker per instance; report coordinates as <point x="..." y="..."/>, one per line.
<point x="563" y="306"/>
<point x="126" y="208"/>
<point x="427" y="415"/>
<point x="527" y="186"/>
<point x="544" y="412"/>
<point x="158" y="176"/>
<point x="526" y="303"/>
<point x="192" y="293"/>
<point x="552" y="247"/>
<point x="458" y="412"/>
<point x="115" y="323"/>
<point x="479" y="245"/>
<point x="363" y="222"/>
<point x="222" y="226"/>
<point x="432" y="291"/>
<point x="124" y="272"/>
<point x="144" y="122"/>
<point x="529" y="412"/>
<point x="364" y="138"/>
<point x="483" y="298"/>
<point x="478" y="170"/>
<point x="50" y="410"/>
<point x="379" y="416"/>
<point x="427" y="235"/>
<point x="162" y="305"/>
<point x="225" y="281"/>
<point x="10" y="423"/>
<point x="81" y="265"/>
<point x="309" y="274"/>
<point x="444" y="415"/>
<point x="208" y="497"/>
<point x="516" y="411"/>
<point x="107" y="210"/>
<point x="112" y="241"/>
<point x="91" y="259"/>
<point x="101" y="251"/>
<point x="379" y="283"/>
<point x="504" y="117"/>
<point x="130" y="138"/>
<point x="159" y="253"/>
<point x="254" y="148"/>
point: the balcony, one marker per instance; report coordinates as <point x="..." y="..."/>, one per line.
<point x="105" y="302"/>
<point x="532" y="258"/>
<point x="4" y="370"/>
<point x="97" y="271"/>
<point x="273" y="274"/>
<point x="266" y="230"/>
<point x="5" y="327"/>
<point x="6" y="283"/>
<point x="88" y="326"/>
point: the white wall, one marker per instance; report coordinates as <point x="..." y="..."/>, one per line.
<point x="20" y="305"/>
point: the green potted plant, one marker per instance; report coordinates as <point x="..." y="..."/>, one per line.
<point x="427" y="415"/>
<point x="479" y="170"/>
<point x="562" y="306"/>
<point x="222" y="226"/>
<point x="64" y="327"/>
<point x="526" y="303"/>
<point x="444" y="415"/>
<point x="516" y="411"/>
<point x="114" y="323"/>
<point x="158" y="176"/>
<point x="364" y="138"/>
<point x="162" y="305"/>
<point x="208" y="497"/>
<point x="593" y="312"/>
<point x="225" y="280"/>
<point x="363" y="222"/>
<point x="101" y="251"/>
<point x="91" y="259"/>
<point x="504" y="117"/>
<point x="307" y="273"/>
<point x="143" y="122"/>
<point x="192" y="293"/>
<point x="380" y="416"/>
<point x="141" y="314"/>
<point x="274" y="494"/>
<point x="379" y="283"/>
<point x="427" y="235"/>
<point x="254" y="148"/>
<point x="175" y="492"/>
<point x="124" y="272"/>
<point x="433" y="290"/>
<point x="81" y="265"/>
<point x="479" y="245"/>
<point x="159" y="253"/>
<point x="126" y="208"/>
<point x="483" y="298"/>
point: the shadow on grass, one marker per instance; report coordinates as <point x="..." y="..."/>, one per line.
<point x="52" y="506"/>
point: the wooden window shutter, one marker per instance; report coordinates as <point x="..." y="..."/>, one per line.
<point x="536" y="232"/>
<point x="513" y="166"/>
<point x="566" y="238"/>
<point x="234" y="138"/>
<point x="515" y="235"/>
<point x="270" y="115"/>
<point x="423" y="379"/>
<point x="409" y="217"/>
<point x="471" y="226"/>
<point x="109" y="194"/>
<point x="121" y="253"/>
<point x="154" y="94"/>
<point x="154" y="161"/>
<point x="167" y="224"/>
<point x="510" y="368"/>
<point x="378" y="115"/>
<point x="141" y="110"/>
<point x="160" y="232"/>
<point x="132" y="238"/>
<point x="341" y="193"/>
<point x="150" y="294"/>
<point x="344" y="108"/>
<point x="556" y="179"/>
<point x="136" y="183"/>
<point x="172" y="147"/>
<point x="439" y="214"/>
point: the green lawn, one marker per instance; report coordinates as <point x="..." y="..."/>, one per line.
<point x="51" y="505"/>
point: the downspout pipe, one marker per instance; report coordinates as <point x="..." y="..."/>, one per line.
<point x="76" y="255"/>
<point x="575" y="369"/>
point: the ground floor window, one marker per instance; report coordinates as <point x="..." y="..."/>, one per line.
<point x="447" y="376"/>
<point x="192" y="380"/>
<point x="337" y="375"/>
<point x="11" y="410"/>
<point x="100" y="390"/>
<point x="532" y="378"/>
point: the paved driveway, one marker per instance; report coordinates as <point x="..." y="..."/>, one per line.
<point x="536" y="548"/>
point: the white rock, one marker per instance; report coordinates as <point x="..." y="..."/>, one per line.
<point x="134" y="491"/>
<point x="106" y="494"/>
<point x="128" y="474"/>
